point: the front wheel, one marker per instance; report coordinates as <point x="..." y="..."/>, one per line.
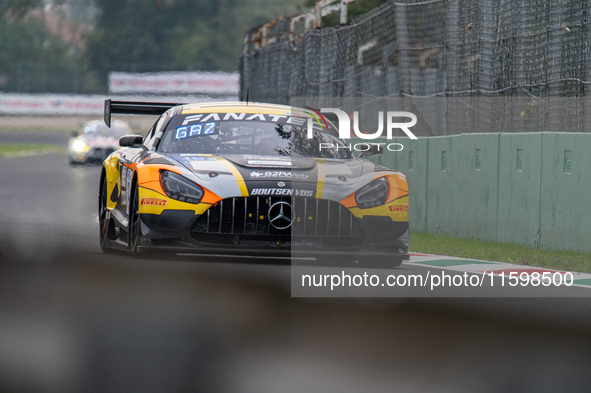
<point x="102" y="216"/>
<point x="134" y="234"/>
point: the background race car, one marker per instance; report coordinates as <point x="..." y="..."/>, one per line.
<point x="238" y="178"/>
<point x="96" y="141"/>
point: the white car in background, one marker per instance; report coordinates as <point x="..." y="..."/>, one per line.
<point x="96" y="141"/>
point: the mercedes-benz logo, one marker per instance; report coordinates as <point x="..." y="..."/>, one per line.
<point x="281" y="215"/>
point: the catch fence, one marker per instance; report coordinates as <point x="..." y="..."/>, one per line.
<point x="528" y="49"/>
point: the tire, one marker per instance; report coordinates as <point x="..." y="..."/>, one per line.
<point x="134" y="235"/>
<point x="102" y="215"/>
<point x="134" y="229"/>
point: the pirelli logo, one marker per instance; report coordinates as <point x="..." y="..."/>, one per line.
<point x="153" y="202"/>
<point x="399" y="208"/>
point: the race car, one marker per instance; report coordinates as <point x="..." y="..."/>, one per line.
<point x="249" y="179"/>
<point x="96" y="141"/>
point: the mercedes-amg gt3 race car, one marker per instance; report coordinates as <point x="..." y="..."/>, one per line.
<point x="248" y="179"/>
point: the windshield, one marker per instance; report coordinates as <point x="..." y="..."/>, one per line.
<point x="196" y="134"/>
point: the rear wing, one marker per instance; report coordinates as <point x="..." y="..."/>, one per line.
<point x="135" y="108"/>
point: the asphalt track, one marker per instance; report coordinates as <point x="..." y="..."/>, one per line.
<point x="74" y="319"/>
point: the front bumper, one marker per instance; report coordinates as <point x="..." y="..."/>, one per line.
<point x="176" y="230"/>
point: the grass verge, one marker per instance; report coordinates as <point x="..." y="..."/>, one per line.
<point x="17" y="149"/>
<point x="502" y="252"/>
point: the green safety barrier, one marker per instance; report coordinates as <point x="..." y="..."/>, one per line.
<point x="532" y="189"/>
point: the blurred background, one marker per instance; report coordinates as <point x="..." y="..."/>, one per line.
<point x="71" y="46"/>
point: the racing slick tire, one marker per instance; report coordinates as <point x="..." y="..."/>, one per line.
<point x="134" y="236"/>
<point x="134" y="229"/>
<point x="102" y="216"/>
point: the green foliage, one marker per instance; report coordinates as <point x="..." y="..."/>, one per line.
<point x="129" y="35"/>
<point x="174" y="35"/>
<point x="31" y="59"/>
<point x="16" y="9"/>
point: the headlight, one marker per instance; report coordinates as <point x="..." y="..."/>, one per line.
<point x="373" y="194"/>
<point x="180" y="188"/>
<point x="80" y="146"/>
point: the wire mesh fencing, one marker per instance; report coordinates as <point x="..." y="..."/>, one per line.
<point x="527" y="49"/>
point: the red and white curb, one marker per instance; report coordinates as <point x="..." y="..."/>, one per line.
<point x="489" y="267"/>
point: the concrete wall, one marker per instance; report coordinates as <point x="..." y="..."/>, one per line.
<point x="527" y="188"/>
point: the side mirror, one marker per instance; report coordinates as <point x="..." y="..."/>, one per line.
<point x="373" y="150"/>
<point x="131" y="141"/>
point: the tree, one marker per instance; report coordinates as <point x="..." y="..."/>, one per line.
<point x="174" y="35"/>
<point x="17" y="9"/>
<point x="31" y="59"/>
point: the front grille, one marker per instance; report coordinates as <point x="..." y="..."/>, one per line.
<point x="247" y="217"/>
